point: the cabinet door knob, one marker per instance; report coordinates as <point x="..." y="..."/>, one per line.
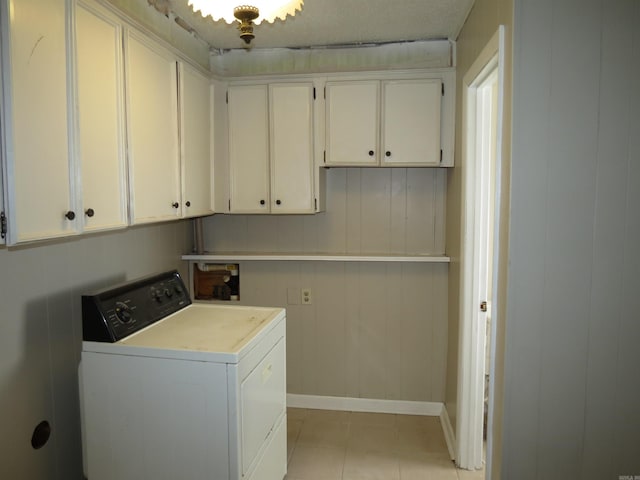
<point x="70" y="215"/>
<point x="188" y="204"/>
<point x="371" y="153"/>
<point x="278" y="202"/>
<point x="262" y="202"/>
<point x="89" y="212"/>
<point x="387" y="153"/>
<point x="175" y="204"/>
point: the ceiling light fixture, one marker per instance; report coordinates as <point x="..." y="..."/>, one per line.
<point x="246" y="15"/>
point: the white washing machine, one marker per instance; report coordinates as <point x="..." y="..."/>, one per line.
<point x="175" y="390"/>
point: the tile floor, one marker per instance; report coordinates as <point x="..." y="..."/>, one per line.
<point x="334" y="445"/>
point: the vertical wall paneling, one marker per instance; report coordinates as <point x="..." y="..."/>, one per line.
<point x="331" y="224"/>
<point x="353" y="337"/>
<point x="41" y="334"/>
<point x="607" y="288"/>
<point x="369" y="210"/>
<point x="398" y="210"/>
<point x="571" y="381"/>
<point x="331" y="317"/>
<point x="627" y="421"/>
<point x="372" y="358"/>
<point x="570" y="199"/>
<point x="353" y="209"/>
<point x="527" y="247"/>
<point x="440" y="330"/>
<point x="375" y="210"/>
<point x="397" y="328"/>
<point x="374" y="330"/>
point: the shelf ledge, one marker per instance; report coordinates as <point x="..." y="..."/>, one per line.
<point x="314" y="257"/>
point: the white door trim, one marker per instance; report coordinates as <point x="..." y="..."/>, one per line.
<point x="469" y="425"/>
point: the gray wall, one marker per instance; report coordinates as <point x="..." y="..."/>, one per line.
<point x="572" y="380"/>
<point x="375" y="330"/>
<point x="41" y="335"/>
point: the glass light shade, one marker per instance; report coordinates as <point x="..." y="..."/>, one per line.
<point x="269" y="9"/>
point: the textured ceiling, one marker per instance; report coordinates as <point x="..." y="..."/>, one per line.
<point x="336" y="22"/>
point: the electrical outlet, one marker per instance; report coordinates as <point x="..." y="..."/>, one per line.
<point x="306" y="296"/>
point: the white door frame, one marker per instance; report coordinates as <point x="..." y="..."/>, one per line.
<point x="469" y="424"/>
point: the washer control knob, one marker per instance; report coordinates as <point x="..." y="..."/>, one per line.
<point x="168" y="293"/>
<point x="156" y="295"/>
<point x="123" y="312"/>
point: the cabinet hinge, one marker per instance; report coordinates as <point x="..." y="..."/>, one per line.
<point x="3" y="225"/>
<point x="314" y="93"/>
<point x="324" y="156"/>
<point x="440" y="155"/>
<point x="442" y="89"/>
<point x="227" y="97"/>
<point x="315" y="204"/>
<point x="229" y="204"/>
<point x="325" y="93"/>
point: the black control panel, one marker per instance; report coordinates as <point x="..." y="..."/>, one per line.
<point x="114" y="313"/>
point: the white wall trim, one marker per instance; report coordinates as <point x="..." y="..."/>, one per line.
<point x="449" y="434"/>
<point x="432" y="409"/>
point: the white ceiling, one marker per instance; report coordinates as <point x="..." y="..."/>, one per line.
<point x="336" y="22"/>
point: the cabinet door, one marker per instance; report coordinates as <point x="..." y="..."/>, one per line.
<point x="249" y="149"/>
<point x="152" y="100"/>
<point x="101" y="119"/>
<point x="195" y="142"/>
<point x="291" y="129"/>
<point x="352" y="123"/>
<point x="411" y="122"/>
<point x="37" y="134"/>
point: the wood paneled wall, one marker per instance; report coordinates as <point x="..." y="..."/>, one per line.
<point x="573" y="329"/>
<point x="374" y="330"/>
<point x="369" y="210"/>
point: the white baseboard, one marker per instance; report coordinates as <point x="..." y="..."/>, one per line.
<point x="449" y="435"/>
<point x="433" y="409"/>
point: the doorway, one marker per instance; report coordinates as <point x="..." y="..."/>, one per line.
<point x="481" y="140"/>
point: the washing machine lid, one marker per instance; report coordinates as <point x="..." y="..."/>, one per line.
<point x="206" y="328"/>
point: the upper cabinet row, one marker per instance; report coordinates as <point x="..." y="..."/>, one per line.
<point x="389" y="123"/>
<point x="103" y="127"/>
<point x="281" y="132"/>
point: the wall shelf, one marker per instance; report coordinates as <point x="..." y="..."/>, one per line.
<point x="314" y="257"/>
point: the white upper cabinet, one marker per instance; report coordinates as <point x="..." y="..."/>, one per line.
<point x="271" y="148"/>
<point x="195" y="141"/>
<point x="353" y="110"/>
<point x="249" y="149"/>
<point x="154" y="154"/>
<point x="411" y="123"/>
<point x="388" y="123"/>
<point x="291" y="133"/>
<point x="101" y="115"/>
<point x="38" y="161"/>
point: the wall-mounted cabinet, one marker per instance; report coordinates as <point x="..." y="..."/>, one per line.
<point x="101" y="119"/>
<point x="386" y="123"/>
<point x="39" y="167"/>
<point x="84" y="147"/>
<point x="169" y="161"/>
<point x="271" y="156"/>
<point x="153" y="142"/>
<point x="195" y="92"/>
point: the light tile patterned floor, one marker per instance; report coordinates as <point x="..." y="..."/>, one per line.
<point x="332" y="445"/>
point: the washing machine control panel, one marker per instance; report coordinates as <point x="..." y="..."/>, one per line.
<point x="114" y="313"/>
